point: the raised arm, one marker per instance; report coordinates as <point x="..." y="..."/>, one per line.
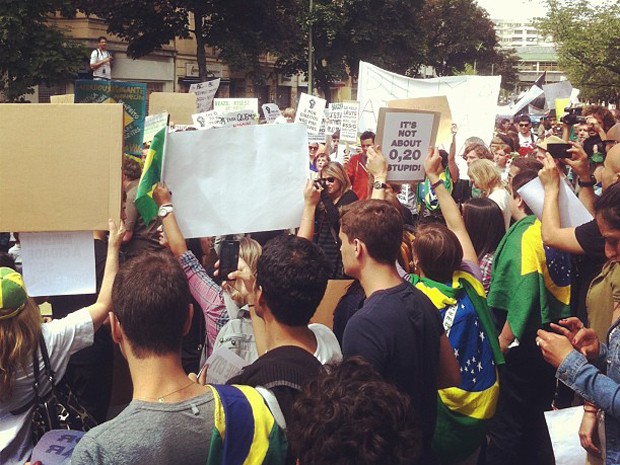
<point x="176" y="241"/>
<point x="377" y="167"/>
<point x="449" y="208"/>
<point x="100" y="309"/>
<point x="452" y="166"/>
<point x="581" y="166"/>
<point x="312" y="195"/>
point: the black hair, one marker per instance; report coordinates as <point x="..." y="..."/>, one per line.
<point x="368" y="135"/>
<point x="484" y="222"/>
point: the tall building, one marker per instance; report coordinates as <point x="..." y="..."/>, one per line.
<point x="515" y="33"/>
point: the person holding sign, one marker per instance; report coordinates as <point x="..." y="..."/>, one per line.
<point x="356" y="166"/>
<point x="100" y="60"/>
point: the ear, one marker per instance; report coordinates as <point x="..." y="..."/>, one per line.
<point x="359" y="248"/>
<point x="520" y="202"/>
<point x="188" y="319"/>
<point x="115" y="327"/>
<point x="259" y="302"/>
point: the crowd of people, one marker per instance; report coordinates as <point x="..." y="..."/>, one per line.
<point x="463" y="312"/>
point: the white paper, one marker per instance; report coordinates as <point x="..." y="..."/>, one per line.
<point x="206" y="120"/>
<point x="58" y="263"/>
<point x="564" y="431"/>
<point x="205" y="91"/>
<point x="334" y="120"/>
<point x="310" y="112"/>
<point x="572" y="212"/>
<point x="235" y="119"/>
<point x="235" y="180"/>
<point x="223" y="365"/>
<point x="271" y="112"/>
<point x="377" y="86"/>
<point x="225" y="105"/>
<point x="153" y="124"/>
<point x="348" y="127"/>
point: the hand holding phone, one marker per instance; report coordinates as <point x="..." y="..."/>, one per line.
<point x="229" y="258"/>
<point x="559" y="150"/>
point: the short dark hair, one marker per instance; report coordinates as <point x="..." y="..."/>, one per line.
<point x="481" y="150"/>
<point x="368" y="135"/>
<point x="484" y="222"/>
<point x="606" y="116"/>
<point x="608" y="205"/>
<point x="293" y="273"/>
<point x="151" y="299"/>
<point x="378" y="224"/>
<point x="521" y="179"/>
<point x="7" y="260"/>
<point x="438" y="251"/>
<point x="527" y="164"/>
<point x="131" y="168"/>
<point x="524" y="118"/>
<point x="100" y="38"/>
<point x="350" y="415"/>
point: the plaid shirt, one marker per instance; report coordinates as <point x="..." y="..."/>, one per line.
<point x="486" y="263"/>
<point x="208" y="294"/>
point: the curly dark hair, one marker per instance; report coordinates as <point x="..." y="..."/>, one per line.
<point x="351" y="416"/>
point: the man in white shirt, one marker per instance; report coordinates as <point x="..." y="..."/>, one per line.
<point x="100" y="60"/>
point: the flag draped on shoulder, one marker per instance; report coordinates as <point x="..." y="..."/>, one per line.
<point x="464" y="412"/>
<point x="151" y="175"/>
<point x="245" y="431"/>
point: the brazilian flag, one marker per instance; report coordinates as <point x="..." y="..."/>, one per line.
<point x="151" y="175"/>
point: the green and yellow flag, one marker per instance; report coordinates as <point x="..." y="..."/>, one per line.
<point x="151" y="175"/>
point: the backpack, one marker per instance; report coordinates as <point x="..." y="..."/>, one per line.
<point x="238" y="336"/>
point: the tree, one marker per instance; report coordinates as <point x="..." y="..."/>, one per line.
<point x="32" y="51"/>
<point x="588" y="42"/>
<point x="456" y="32"/>
<point x="502" y="62"/>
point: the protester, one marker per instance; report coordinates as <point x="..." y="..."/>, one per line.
<point x="100" y="61"/>
<point x="527" y="141"/>
<point x="486" y="177"/>
<point x="356" y="166"/>
<point x="21" y="333"/>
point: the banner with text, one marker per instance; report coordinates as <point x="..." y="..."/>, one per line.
<point x="271" y="112"/>
<point x="310" y="112"/>
<point x="205" y="91"/>
<point x="348" y="127"/>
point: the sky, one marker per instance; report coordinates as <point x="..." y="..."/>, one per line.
<point x="513" y="9"/>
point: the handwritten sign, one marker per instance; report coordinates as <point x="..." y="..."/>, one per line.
<point x="310" y="112"/>
<point x="206" y="120"/>
<point x="205" y="91"/>
<point x="271" y="112"/>
<point x="348" y="126"/>
<point x="405" y="136"/>
<point x="334" y="120"/>
<point x="226" y="105"/>
<point x="153" y="124"/>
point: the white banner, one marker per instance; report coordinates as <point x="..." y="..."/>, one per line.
<point x="310" y="112"/>
<point x="472" y="99"/>
<point x="235" y="180"/>
<point x="205" y="91"/>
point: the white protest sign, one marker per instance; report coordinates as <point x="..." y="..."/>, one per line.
<point x="58" y="263"/>
<point x="235" y="119"/>
<point x="572" y="212"/>
<point x="206" y="120"/>
<point x="319" y="137"/>
<point x="226" y="105"/>
<point x="205" y="91"/>
<point x="348" y="127"/>
<point x="223" y="365"/>
<point x="376" y="87"/>
<point x="271" y="112"/>
<point x="153" y="124"/>
<point x="404" y="137"/>
<point x="310" y="112"/>
<point x="234" y="180"/>
<point x="334" y="120"/>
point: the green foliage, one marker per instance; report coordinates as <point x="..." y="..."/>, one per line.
<point x="32" y="51"/>
<point x="588" y="41"/>
<point x="503" y="63"/>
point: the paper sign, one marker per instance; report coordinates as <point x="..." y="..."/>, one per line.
<point x="153" y="124"/>
<point x="61" y="263"/>
<point x="234" y="180"/>
<point x="405" y="136"/>
<point x="206" y="120"/>
<point x="226" y="105"/>
<point x="439" y="104"/>
<point x="271" y="112"/>
<point x="310" y="112"/>
<point x="348" y="127"/>
<point x="319" y="137"/>
<point x="56" y="447"/>
<point x="65" y="98"/>
<point x="557" y="90"/>
<point x="572" y="212"/>
<point x="223" y="365"/>
<point x="205" y="91"/>
<point x="563" y="427"/>
<point x="235" y="119"/>
<point x="180" y="106"/>
<point x="334" y="121"/>
<point x="60" y="166"/>
<point x="560" y="105"/>
<point x="133" y="97"/>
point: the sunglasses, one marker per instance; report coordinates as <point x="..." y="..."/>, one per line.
<point x="524" y="125"/>
<point x="329" y="179"/>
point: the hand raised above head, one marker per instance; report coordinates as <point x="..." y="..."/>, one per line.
<point x="549" y="174"/>
<point x="376" y="163"/>
<point x="432" y="164"/>
<point x="161" y="194"/>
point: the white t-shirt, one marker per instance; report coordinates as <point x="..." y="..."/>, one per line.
<point x="104" y="71"/>
<point x="527" y="141"/>
<point x="502" y="198"/>
<point x="63" y="338"/>
<point x="327" y="347"/>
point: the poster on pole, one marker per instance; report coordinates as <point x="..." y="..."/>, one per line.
<point x="348" y="126"/>
<point x="405" y="136"/>
<point x="310" y="112"/>
<point x="271" y="112"/>
<point x="206" y="120"/>
<point x="205" y="91"/>
<point x="226" y="105"/>
<point x="439" y="104"/>
<point x="153" y="124"/>
<point x="334" y="119"/>
<point x="133" y="97"/>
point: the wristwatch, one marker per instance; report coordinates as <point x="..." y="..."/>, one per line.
<point x="590" y="183"/>
<point x="165" y="210"/>
<point x="379" y="185"/>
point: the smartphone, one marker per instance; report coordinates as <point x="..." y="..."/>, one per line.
<point x="558" y="150"/>
<point x="229" y="258"/>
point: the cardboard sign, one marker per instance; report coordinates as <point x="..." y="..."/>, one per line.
<point x="181" y="107"/>
<point x="405" y="136"/>
<point x="271" y="112"/>
<point x="65" y="98"/>
<point x="60" y="166"/>
<point x="439" y="104"/>
<point x="310" y="112"/>
<point x="207" y="120"/>
<point x="234" y="180"/>
<point x="205" y="91"/>
<point x="226" y="105"/>
<point x="334" y="121"/>
<point x="348" y="126"/>
<point x="133" y="97"/>
<point x="152" y="125"/>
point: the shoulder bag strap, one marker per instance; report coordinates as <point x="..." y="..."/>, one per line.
<point x="48" y="365"/>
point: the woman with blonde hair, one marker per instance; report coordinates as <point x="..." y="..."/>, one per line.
<point x="22" y="333"/>
<point x="487" y="177"/>
<point x="322" y="225"/>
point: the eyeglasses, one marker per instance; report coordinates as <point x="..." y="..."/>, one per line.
<point x="524" y="125"/>
<point x="329" y="179"/>
<point x="311" y="147"/>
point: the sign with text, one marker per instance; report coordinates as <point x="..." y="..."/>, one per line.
<point x="206" y="120"/>
<point x="152" y="125"/>
<point x="310" y="112"/>
<point x="404" y="137"/>
<point x="439" y="104"/>
<point x="133" y="97"/>
<point x="205" y="91"/>
<point x="334" y="120"/>
<point x="271" y="112"/>
<point x="348" y="126"/>
<point x="226" y="105"/>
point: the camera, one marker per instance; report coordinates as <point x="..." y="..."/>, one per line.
<point x="320" y="182"/>
<point x="573" y="116"/>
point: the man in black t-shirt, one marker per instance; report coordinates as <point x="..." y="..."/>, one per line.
<point x="398" y="330"/>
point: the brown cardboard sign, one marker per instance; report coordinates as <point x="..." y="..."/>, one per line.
<point x="64" y="98"/>
<point x="60" y="166"/>
<point x="440" y="104"/>
<point x="180" y="106"/>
